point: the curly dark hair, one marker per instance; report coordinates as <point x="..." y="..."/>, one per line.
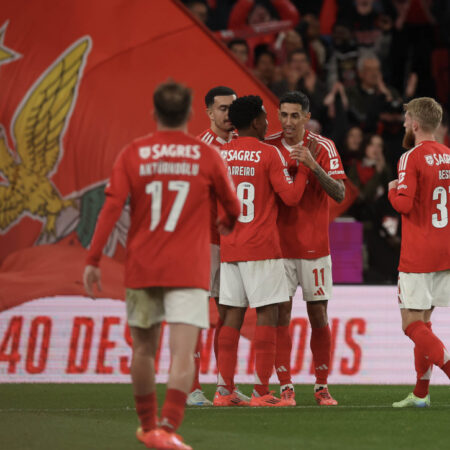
<point x="245" y="109"/>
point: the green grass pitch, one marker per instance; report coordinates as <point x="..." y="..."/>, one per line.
<point x="102" y="417"/>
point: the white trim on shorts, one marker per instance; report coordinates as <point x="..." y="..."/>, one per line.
<point x="149" y="306"/>
<point x="423" y="290"/>
<point x="253" y="283"/>
<point x="214" y="283"/>
<point x="307" y="273"/>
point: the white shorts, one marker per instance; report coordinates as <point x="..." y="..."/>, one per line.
<point x="313" y="275"/>
<point x="423" y="290"/>
<point x="253" y="283"/>
<point x="214" y="284"/>
<point x="149" y="306"/>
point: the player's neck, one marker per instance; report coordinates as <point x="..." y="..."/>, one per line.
<point x="420" y="137"/>
<point x="248" y="133"/>
<point x="225" y="135"/>
<point x="294" y="140"/>
<point x="161" y="127"/>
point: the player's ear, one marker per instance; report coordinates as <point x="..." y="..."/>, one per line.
<point x="210" y="113"/>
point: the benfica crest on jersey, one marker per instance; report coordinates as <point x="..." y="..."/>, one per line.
<point x="429" y="159"/>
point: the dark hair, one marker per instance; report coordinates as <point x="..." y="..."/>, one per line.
<point x="297" y="51"/>
<point x="244" y="110"/>
<point x="172" y="103"/>
<point x="237" y="42"/>
<point x="260" y="50"/>
<point x="296" y="97"/>
<point x="216" y="91"/>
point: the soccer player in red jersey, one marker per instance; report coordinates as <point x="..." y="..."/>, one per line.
<point x="217" y="101"/>
<point x="252" y="272"/>
<point x="305" y="242"/>
<point x="168" y="176"/>
<point x="420" y="195"/>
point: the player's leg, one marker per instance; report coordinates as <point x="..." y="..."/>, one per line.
<point x="266" y="286"/>
<point x="186" y="312"/>
<point x="423" y="366"/>
<point x="145" y="312"/>
<point x="284" y="339"/>
<point x="197" y="397"/>
<point x="234" y="300"/>
<point x="316" y="281"/>
<point x="418" y="294"/>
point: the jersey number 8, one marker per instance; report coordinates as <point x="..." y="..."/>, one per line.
<point x="246" y="194"/>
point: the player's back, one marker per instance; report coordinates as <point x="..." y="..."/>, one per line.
<point x="424" y="172"/>
<point x="250" y="163"/>
<point x="170" y="176"/>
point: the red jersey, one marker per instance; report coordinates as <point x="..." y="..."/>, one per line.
<point x="169" y="176"/>
<point x="211" y="138"/>
<point x="304" y="228"/>
<point x="423" y="198"/>
<point x="259" y="172"/>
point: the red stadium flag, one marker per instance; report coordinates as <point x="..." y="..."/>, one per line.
<point x="76" y="83"/>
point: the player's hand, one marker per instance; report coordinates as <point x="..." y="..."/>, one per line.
<point x="91" y="276"/>
<point x="306" y="155"/>
<point x="393" y="184"/>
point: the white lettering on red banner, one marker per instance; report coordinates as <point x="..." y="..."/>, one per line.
<point x="74" y="339"/>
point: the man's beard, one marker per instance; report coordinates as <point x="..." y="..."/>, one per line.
<point x="409" y="141"/>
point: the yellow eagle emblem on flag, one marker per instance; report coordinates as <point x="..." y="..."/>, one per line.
<point x="38" y="127"/>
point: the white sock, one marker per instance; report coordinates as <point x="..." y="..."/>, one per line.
<point x="317" y="387"/>
<point x="284" y="386"/>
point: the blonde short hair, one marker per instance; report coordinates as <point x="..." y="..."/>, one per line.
<point x="427" y="111"/>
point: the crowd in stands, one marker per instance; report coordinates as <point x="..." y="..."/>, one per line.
<point x="358" y="61"/>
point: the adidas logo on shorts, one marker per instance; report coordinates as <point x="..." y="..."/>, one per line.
<point x="319" y="292"/>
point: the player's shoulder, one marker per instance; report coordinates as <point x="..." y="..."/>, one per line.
<point x="274" y="138"/>
<point x="207" y="136"/>
<point x="324" y="143"/>
<point x="411" y="155"/>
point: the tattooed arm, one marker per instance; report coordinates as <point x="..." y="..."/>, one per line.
<point x="306" y="155"/>
<point x="334" y="188"/>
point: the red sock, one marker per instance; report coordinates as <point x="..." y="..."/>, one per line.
<point x="321" y="349"/>
<point x="283" y="355"/>
<point x="146" y="409"/>
<point x="216" y="338"/>
<point x="427" y="342"/>
<point x="197" y="360"/>
<point x="228" y="345"/>
<point x="265" y="349"/>
<point x="173" y="410"/>
<point x="423" y="370"/>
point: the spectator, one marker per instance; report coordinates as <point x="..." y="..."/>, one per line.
<point x="412" y="44"/>
<point x="371" y="175"/>
<point x="248" y="13"/>
<point x="350" y="148"/>
<point x="371" y="94"/>
<point x="310" y="30"/>
<point x="287" y="42"/>
<point x="239" y="48"/>
<point x="342" y="65"/>
<point x="301" y="77"/>
<point x="371" y="27"/>
<point x="198" y="9"/>
<point x="265" y="67"/>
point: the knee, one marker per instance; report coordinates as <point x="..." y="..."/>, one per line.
<point x="284" y="313"/>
